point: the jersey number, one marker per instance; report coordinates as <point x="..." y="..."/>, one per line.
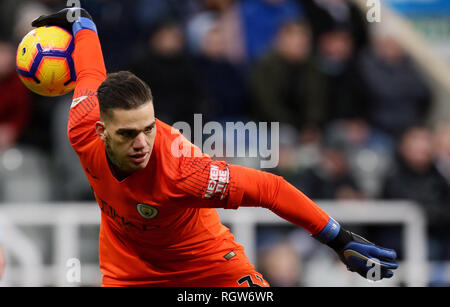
<point x="249" y="280"/>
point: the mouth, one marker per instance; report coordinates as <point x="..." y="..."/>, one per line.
<point x="139" y="158"/>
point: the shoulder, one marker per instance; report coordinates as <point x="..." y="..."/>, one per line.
<point x="173" y="143"/>
<point x="178" y="156"/>
<point x="172" y="148"/>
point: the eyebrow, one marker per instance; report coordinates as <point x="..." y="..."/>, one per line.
<point x="130" y="130"/>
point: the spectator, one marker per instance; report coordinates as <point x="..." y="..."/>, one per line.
<point x="148" y="12"/>
<point x="369" y="151"/>
<point x="14" y="99"/>
<point x="297" y="151"/>
<point x="328" y="15"/>
<point x="416" y="178"/>
<point x="223" y="85"/>
<point x="331" y="179"/>
<point x="121" y="32"/>
<point x="256" y="23"/>
<point x="213" y="14"/>
<point x="337" y="62"/>
<point x="166" y="67"/>
<point x="397" y="96"/>
<point x="281" y="264"/>
<point x="286" y="85"/>
<point x="288" y="162"/>
<point x="308" y="153"/>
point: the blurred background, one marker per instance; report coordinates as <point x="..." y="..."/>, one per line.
<point x="364" y="115"/>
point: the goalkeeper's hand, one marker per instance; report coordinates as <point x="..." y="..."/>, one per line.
<point x="358" y="254"/>
<point x="71" y="19"/>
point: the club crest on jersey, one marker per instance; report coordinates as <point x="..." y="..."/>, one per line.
<point x="147" y="211"/>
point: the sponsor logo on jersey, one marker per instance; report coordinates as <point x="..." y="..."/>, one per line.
<point x="218" y="181"/>
<point x="147" y="211"/>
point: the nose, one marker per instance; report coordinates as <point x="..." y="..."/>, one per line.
<point x="139" y="142"/>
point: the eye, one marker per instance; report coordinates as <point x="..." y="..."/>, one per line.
<point x="148" y="130"/>
<point x="127" y="134"/>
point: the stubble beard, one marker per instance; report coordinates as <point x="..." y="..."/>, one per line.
<point x="112" y="156"/>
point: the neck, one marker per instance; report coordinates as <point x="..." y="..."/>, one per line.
<point x="115" y="170"/>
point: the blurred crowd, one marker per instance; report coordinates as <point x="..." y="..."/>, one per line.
<point x="352" y="105"/>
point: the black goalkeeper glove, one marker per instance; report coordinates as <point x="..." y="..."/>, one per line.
<point x="358" y="254"/>
<point x="71" y="19"/>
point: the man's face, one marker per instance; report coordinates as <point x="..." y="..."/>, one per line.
<point x="417" y="149"/>
<point x="129" y="136"/>
<point x="293" y="43"/>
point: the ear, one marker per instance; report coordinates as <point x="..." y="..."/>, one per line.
<point x="100" y="130"/>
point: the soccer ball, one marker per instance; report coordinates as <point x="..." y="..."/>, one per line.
<point x="44" y="61"/>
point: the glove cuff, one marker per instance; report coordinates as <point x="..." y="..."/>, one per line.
<point x="83" y="23"/>
<point x="329" y="232"/>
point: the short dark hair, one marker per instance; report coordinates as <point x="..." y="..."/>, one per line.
<point x="122" y="90"/>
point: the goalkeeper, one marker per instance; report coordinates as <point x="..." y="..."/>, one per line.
<point x="158" y="193"/>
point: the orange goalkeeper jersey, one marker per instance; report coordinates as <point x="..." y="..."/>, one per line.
<point x="159" y="226"/>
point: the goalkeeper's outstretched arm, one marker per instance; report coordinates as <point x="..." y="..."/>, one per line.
<point x="91" y="72"/>
<point x="220" y="185"/>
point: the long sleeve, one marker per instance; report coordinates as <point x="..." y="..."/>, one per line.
<point x="262" y="189"/>
<point x="91" y="72"/>
<point x="89" y="63"/>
